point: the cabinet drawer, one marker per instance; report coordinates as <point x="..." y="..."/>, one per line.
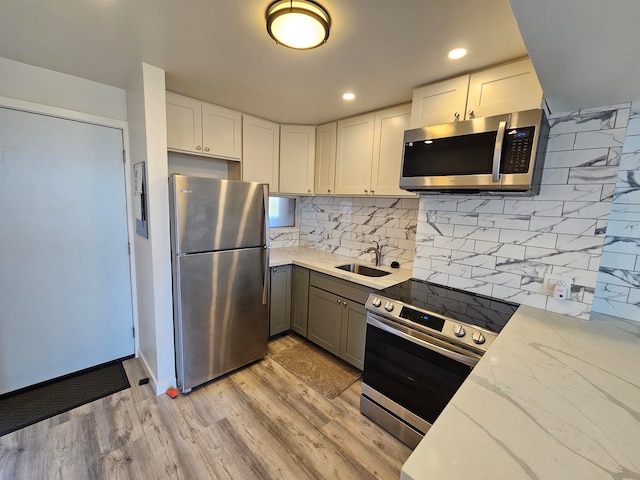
<point x="345" y="289"/>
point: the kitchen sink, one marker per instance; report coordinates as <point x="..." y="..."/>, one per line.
<point x="363" y="270"/>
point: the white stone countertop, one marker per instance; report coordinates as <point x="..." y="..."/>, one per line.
<point x="326" y="262"/>
<point x="555" y="397"/>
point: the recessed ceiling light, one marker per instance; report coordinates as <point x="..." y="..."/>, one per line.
<point x="348" y="96"/>
<point x="457" y="53"/>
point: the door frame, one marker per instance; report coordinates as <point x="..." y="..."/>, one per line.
<point x="123" y="126"/>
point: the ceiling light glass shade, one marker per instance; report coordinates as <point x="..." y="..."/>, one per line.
<point x="457" y="53"/>
<point x="299" y="24"/>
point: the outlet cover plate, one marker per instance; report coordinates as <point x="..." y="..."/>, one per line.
<point x="550" y="282"/>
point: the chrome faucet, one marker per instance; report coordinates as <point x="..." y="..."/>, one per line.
<point x="377" y="250"/>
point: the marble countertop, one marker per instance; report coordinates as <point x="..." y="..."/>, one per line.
<point x="326" y="262"/>
<point x="555" y="397"/>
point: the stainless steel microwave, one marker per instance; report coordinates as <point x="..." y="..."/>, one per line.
<point x="500" y="154"/>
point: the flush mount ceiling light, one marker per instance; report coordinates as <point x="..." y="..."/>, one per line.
<point x="299" y="24"/>
<point x="348" y="96"/>
<point x="457" y="53"/>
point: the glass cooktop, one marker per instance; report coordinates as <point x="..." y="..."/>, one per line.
<point x="471" y="308"/>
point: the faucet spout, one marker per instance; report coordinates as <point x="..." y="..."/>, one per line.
<point x="377" y="250"/>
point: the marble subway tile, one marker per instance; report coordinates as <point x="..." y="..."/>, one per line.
<point x="583" y="122"/>
<point x="622" y="244"/>
<point x="480" y="205"/>
<point x="429" y="202"/>
<point x="622" y="118"/>
<point x="528" y="238"/>
<point x="555" y="176"/>
<point x="608" y="192"/>
<point x="631" y="144"/>
<point x="568" y="307"/>
<point x="600" y="175"/>
<point x="625" y="212"/>
<point x="584" y="193"/>
<point x="633" y="127"/>
<point x="602" y="138"/>
<point x="473" y="259"/>
<point x="617" y="309"/>
<point x="442" y="254"/>
<point x="451" y="268"/>
<point x="534" y="207"/>
<point x="460" y="244"/>
<point x="601" y="227"/>
<point x="554" y="257"/>
<point x="510" y="222"/>
<point x="430" y="275"/>
<point x="612" y="292"/>
<point x="621" y="261"/>
<point x="586" y="209"/>
<point x="476" y="233"/>
<point x="524" y="268"/>
<point x="456" y="218"/>
<point x="563" y="225"/>
<point x="471" y="285"/>
<point x="634" y="296"/>
<point x="496" y="277"/>
<point x="626" y="195"/>
<point x="623" y="228"/>
<point x="624" y="278"/>
<point x="578" y="158"/>
<point x="579" y="243"/>
<point x="430" y="228"/>
<point x="561" y="142"/>
<point x="615" y="155"/>
<point x="505" y="250"/>
<point x="617" y="106"/>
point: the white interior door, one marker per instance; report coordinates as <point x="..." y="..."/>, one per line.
<point x="65" y="287"/>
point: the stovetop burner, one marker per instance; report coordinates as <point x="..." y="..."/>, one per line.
<point x="472" y="308"/>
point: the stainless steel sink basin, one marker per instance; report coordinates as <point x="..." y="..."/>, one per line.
<point x="363" y="270"/>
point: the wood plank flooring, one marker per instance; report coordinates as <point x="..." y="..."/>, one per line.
<point x="260" y="422"/>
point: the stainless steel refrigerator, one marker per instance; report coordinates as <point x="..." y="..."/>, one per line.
<point x="219" y="243"/>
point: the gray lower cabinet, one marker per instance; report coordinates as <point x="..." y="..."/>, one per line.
<point x="299" y="299"/>
<point x="338" y="322"/>
<point x="280" y="304"/>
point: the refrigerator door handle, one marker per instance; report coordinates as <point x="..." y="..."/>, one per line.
<point x="265" y="283"/>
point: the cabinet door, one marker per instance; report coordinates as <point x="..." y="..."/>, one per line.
<point x="184" y="124"/>
<point x="388" y="140"/>
<point x="221" y="132"/>
<point x="325" y="158"/>
<point x="441" y="102"/>
<point x="354" y="329"/>
<point x="354" y="155"/>
<point x="297" y="158"/>
<point x="508" y="88"/>
<point x="280" y="305"/>
<point x="260" y="151"/>
<point x="300" y="299"/>
<point x="325" y="319"/>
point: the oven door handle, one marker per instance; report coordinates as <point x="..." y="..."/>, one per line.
<point x="458" y="357"/>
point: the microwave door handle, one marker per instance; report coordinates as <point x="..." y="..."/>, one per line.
<point x="497" y="152"/>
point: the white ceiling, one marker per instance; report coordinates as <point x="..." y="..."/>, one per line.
<point x="219" y="51"/>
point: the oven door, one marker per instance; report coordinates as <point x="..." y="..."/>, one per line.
<point x="407" y="368"/>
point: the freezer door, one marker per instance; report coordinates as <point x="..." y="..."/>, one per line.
<point x="221" y="322"/>
<point x="211" y="214"/>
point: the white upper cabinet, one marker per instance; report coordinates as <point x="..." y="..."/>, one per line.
<point x="202" y="128"/>
<point x="297" y="158"/>
<point x="260" y="151"/>
<point x="325" y="158"/>
<point x="354" y="155"/>
<point x="369" y="152"/>
<point x="504" y="89"/>
<point x="388" y="141"/>
<point x="441" y="102"/>
<point x="508" y="88"/>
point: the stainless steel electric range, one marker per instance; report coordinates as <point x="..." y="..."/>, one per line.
<point x="422" y="342"/>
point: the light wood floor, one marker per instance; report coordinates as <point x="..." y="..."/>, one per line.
<point x="260" y="422"/>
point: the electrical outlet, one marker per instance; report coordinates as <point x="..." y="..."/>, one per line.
<point x="550" y="282"/>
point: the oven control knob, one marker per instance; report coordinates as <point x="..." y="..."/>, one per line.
<point x="458" y="330"/>
<point x="376" y="302"/>
<point x="478" y="338"/>
<point x="388" y="306"/>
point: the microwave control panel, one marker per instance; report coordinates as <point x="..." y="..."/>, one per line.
<point x="516" y="153"/>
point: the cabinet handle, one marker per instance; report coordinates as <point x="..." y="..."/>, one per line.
<point x="372" y="192"/>
<point x="206" y="149"/>
<point x="457" y="115"/>
<point x="275" y="269"/>
<point x="198" y="147"/>
<point x="344" y="303"/>
<point x="329" y="190"/>
<point x="366" y="191"/>
<point x="338" y="301"/>
<point x="309" y="191"/>
<point x="471" y="113"/>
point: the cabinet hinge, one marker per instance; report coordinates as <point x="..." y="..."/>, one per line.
<point x="124" y="156"/>
<point x="129" y="247"/>
<point x="133" y="330"/>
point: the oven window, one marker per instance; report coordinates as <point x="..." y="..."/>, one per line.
<point x="461" y="155"/>
<point x="415" y="377"/>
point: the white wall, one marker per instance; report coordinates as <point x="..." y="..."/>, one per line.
<point x="148" y="140"/>
<point x="46" y="87"/>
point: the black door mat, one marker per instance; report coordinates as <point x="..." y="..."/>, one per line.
<point x="33" y="404"/>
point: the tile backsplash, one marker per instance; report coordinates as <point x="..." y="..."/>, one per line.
<point x="503" y="246"/>
<point x="348" y="225"/>
<point x="618" y="284"/>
